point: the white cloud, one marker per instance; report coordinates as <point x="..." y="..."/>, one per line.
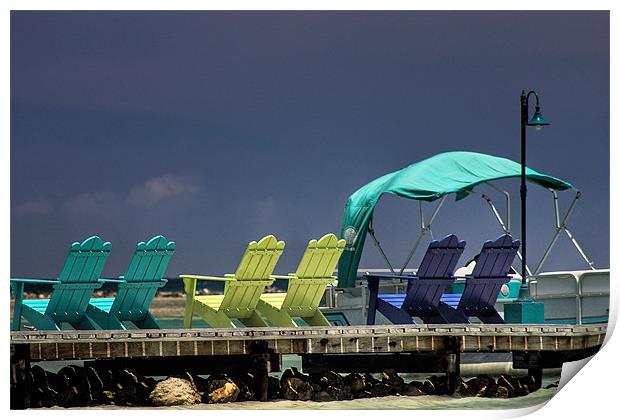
<point x="33" y="206"/>
<point x="92" y="200"/>
<point x="158" y="189"/>
<point x="153" y="191"/>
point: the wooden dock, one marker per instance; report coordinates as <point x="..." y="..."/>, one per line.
<point x="81" y="345"/>
<point x="407" y="348"/>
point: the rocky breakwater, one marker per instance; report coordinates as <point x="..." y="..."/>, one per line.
<point x="75" y="386"/>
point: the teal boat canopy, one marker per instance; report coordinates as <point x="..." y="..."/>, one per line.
<point x="428" y="180"/>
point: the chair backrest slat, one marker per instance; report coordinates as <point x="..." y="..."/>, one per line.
<point x="85" y="261"/>
<point x="241" y="296"/>
<point x="259" y="259"/>
<point x="434" y="274"/>
<point x="148" y="264"/>
<point x="320" y="258"/>
<point x="150" y="260"/>
<point x="441" y="258"/>
<point x="318" y="263"/>
<point x="488" y="276"/>
<point x="495" y="257"/>
<point x="83" y="265"/>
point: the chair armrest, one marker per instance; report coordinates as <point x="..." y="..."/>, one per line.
<point x="196" y="277"/>
<point x="125" y="281"/>
<point x="379" y="276"/>
<point x="278" y="276"/>
<point x="141" y="284"/>
<point x="35" y="281"/>
<point x="469" y="276"/>
<point x="111" y="281"/>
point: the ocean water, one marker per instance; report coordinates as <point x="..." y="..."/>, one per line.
<point x="424" y="402"/>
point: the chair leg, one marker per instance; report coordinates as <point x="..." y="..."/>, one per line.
<point x="40" y="321"/>
<point x="189" y="285"/>
<point x="254" y="320"/>
<point x="18" y="294"/>
<point x="218" y="320"/>
<point x="47" y="323"/>
<point x="278" y="317"/>
<point x="189" y="312"/>
<point x="317" y="320"/>
<point x="373" y="288"/>
<point x="491" y="318"/>
<point x="16" y="323"/>
<point x="149" y="322"/>
<point x="394" y="314"/>
<point x="85" y="324"/>
<point x="215" y="319"/>
<point x="433" y="319"/>
<point x="451" y="315"/>
<point x="105" y="320"/>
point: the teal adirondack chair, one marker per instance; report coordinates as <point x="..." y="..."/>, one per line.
<point x="75" y="285"/>
<point x="136" y="289"/>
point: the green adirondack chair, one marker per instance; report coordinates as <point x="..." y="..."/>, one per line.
<point x="242" y="289"/>
<point x="78" y="279"/>
<point x="136" y="289"/>
<point x="305" y="287"/>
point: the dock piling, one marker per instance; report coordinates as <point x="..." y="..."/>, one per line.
<point x="20" y="377"/>
<point x="453" y="361"/>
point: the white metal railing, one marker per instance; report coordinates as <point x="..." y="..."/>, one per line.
<point x="582" y="295"/>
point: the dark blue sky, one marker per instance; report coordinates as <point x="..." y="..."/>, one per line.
<point x="216" y="128"/>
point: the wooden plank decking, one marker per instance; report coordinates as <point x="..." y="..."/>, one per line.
<point x="409" y="348"/>
<point x="80" y="345"/>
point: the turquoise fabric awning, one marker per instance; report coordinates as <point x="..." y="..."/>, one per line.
<point x="428" y="180"/>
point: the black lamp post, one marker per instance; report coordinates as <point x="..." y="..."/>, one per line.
<point x="537" y="122"/>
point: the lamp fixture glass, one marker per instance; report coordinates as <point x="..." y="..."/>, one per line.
<point x="537" y="121"/>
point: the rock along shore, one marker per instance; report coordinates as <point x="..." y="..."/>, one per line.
<point x="75" y="386"/>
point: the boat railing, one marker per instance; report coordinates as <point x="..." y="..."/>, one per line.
<point x="572" y="297"/>
<point x="585" y="291"/>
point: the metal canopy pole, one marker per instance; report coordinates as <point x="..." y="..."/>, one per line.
<point x="561" y="226"/>
<point x="505" y="228"/>
<point x="505" y="225"/>
<point x="424" y="229"/>
<point x="371" y="231"/>
<point x="579" y="249"/>
<point x="507" y="197"/>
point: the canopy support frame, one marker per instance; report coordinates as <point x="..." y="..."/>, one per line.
<point x="560" y="226"/>
<point x="424" y="229"/>
<point x="504" y="225"/>
<point x="371" y="232"/>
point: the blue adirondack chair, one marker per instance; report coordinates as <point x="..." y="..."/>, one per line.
<point x="424" y="290"/>
<point x="78" y="279"/>
<point x="482" y="287"/>
<point x="136" y="289"/>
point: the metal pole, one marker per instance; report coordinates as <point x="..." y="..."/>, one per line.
<point x="561" y="226"/>
<point x="524" y="292"/>
<point x="583" y="254"/>
<point x="507" y="197"/>
<point x="371" y="231"/>
<point x="505" y="226"/>
<point x="496" y="213"/>
<point x="424" y="227"/>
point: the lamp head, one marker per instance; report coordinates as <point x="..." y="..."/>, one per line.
<point x="537" y="121"/>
